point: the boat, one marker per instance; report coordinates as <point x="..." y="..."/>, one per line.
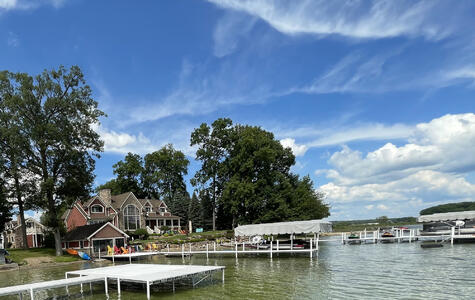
<point x="387" y="237"/>
<point x="83" y="255"/>
<point x="354" y="239"/>
<point x="72" y="251"/>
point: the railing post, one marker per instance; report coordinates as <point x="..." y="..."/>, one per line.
<point x="277" y="245"/>
<point x="311" y="248"/>
<point x="271" y="249"/>
<point x="452" y="233"/>
<point x="235" y="248"/>
<point x="207" y="250"/>
<point x="317" y="245"/>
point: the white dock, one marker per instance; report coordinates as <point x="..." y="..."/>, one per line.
<point x="32" y="287"/>
<point x="150" y="274"/>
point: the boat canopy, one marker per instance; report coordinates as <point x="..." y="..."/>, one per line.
<point x="450" y="216"/>
<point x="311" y="226"/>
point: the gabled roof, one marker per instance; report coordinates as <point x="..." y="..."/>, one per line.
<point x="82" y="232"/>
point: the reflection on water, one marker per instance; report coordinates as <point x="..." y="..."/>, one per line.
<point x="392" y="271"/>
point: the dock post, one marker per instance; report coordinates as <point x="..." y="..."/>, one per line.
<point x="168" y="248"/>
<point x="113" y="260"/>
<point x="148" y="289"/>
<point x="173" y="285"/>
<point x="277" y="245"/>
<point x="452" y="233"/>
<point x="207" y="250"/>
<point x="214" y="245"/>
<point x="105" y="286"/>
<point x="291" y="242"/>
<point x="317" y="246"/>
<point x="67" y="289"/>
<point x="243" y="247"/>
<point x="311" y="248"/>
<point x="270" y="249"/>
<point x="235" y="248"/>
<point x="118" y="286"/>
<point x="223" y="275"/>
<point x="81" y="285"/>
<point x="182" y="250"/>
<point x="130" y="258"/>
<point x="32" y="296"/>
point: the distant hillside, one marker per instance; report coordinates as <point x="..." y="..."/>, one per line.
<point x="451" y="207"/>
<point x="371" y="224"/>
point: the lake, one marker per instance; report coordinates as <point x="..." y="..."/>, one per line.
<point x="392" y="271"/>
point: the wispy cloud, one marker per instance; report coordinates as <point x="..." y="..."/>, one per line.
<point x="13" y="40"/>
<point x="230" y="28"/>
<point x="354" y="19"/>
<point x="6" y="5"/>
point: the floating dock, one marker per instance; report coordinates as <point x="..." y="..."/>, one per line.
<point x="148" y="274"/>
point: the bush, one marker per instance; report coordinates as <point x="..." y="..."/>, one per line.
<point x="140" y="233"/>
<point x="164" y="228"/>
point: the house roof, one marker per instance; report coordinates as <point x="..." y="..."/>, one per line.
<point x="82" y="232"/>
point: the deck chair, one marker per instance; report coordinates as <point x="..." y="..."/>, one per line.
<point x="131" y="249"/>
<point x="155" y="247"/>
<point x="149" y="247"/>
<point x="116" y="250"/>
<point x="140" y="248"/>
<point x="124" y="251"/>
<point x="110" y="251"/>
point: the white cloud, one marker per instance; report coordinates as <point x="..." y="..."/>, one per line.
<point x="354" y="19"/>
<point x="12" y="40"/>
<point x="230" y="28"/>
<point x="431" y="167"/>
<point x="6" y="5"/>
<point x="298" y="150"/>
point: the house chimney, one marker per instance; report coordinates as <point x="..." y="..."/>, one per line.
<point x="105" y="196"/>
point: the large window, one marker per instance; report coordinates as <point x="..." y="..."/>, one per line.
<point x="97" y="208"/>
<point x="131" y="217"/>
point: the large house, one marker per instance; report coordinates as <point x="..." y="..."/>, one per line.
<point x="35" y="232"/>
<point x="125" y="211"/>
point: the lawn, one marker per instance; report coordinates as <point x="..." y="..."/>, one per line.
<point x="20" y="256"/>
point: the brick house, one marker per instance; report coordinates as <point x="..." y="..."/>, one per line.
<point x="125" y="211"/>
<point x="35" y="232"/>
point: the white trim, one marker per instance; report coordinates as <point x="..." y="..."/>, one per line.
<point x="81" y="210"/>
<point x="97" y="212"/>
<point x="108" y="223"/>
<point x="130" y="193"/>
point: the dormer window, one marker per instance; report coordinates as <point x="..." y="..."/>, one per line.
<point x="163" y="209"/>
<point x="148" y="209"/>
<point x="97" y="208"/>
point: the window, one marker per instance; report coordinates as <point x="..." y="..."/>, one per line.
<point x="148" y="208"/>
<point x="97" y="208"/>
<point x="163" y="209"/>
<point x="131" y="217"/>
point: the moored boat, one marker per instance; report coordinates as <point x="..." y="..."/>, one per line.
<point x="354" y="239"/>
<point x="387" y="237"/>
<point x="71" y="251"/>
<point x="83" y="255"/>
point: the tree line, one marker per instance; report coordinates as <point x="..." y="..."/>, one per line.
<point x="48" y="148"/>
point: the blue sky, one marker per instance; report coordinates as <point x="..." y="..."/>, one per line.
<point x="376" y="98"/>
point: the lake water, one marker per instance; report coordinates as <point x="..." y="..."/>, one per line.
<point x="391" y="271"/>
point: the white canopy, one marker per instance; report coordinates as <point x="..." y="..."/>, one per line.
<point x="311" y="226"/>
<point x="450" y="216"/>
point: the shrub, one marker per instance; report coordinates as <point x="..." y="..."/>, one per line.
<point x="141" y="233"/>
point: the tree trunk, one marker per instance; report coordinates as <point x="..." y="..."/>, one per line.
<point x="57" y="242"/>
<point x="54" y="224"/>
<point x="21" y="213"/>
<point x="214" y="203"/>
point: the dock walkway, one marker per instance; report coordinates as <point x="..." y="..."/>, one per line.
<point x="32" y="287"/>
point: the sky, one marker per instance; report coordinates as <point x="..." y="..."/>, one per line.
<point x="375" y="98"/>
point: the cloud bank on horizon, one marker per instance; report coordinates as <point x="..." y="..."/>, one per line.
<point x="375" y="98"/>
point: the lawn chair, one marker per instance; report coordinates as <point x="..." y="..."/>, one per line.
<point x="149" y="247"/>
<point x="116" y="250"/>
<point x="124" y="251"/>
<point x="140" y="248"/>
<point x="131" y="249"/>
<point x="110" y="251"/>
<point x="155" y="247"/>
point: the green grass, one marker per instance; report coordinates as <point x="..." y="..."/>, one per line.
<point x="190" y="238"/>
<point x="19" y="255"/>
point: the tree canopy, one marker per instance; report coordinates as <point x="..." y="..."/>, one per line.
<point x="55" y="113"/>
<point x="246" y="173"/>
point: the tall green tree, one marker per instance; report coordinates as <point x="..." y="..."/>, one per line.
<point x="194" y="211"/>
<point x="5" y="206"/>
<point x="213" y="145"/>
<point x="129" y="172"/>
<point x="56" y="113"/>
<point x="17" y="184"/>
<point x="163" y="177"/>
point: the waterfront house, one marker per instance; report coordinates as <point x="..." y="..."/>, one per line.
<point x="94" y="237"/>
<point x="35" y="232"/>
<point x="124" y="211"/>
